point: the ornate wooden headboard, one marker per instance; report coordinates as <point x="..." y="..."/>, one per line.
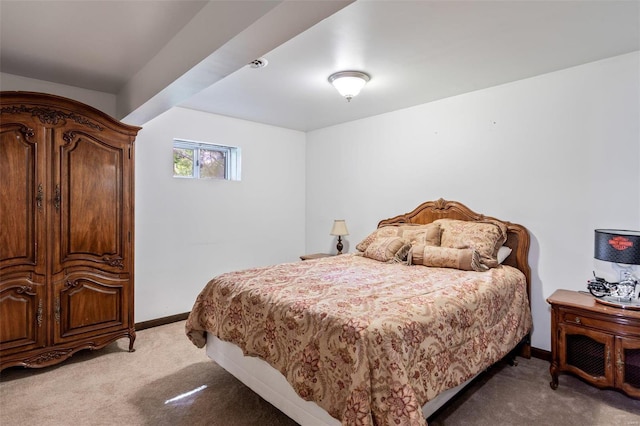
<point x="517" y="235"/>
<point x="517" y="238"/>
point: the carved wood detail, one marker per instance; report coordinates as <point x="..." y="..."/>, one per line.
<point x="50" y="116"/>
<point x="26" y="289"/>
<point x="69" y="137"/>
<point x="27" y="132"/>
<point x="116" y="262"/>
<point x="47" y="357"/>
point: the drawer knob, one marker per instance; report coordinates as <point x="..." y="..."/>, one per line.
<point x="577" y="320"/>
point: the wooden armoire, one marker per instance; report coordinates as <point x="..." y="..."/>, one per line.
<point x="66" y="229"/>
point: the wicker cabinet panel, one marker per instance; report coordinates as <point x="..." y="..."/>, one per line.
<point x="628" y="365"/>
<point x="586" y="353"/>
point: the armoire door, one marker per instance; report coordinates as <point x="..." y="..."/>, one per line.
<point x="91" y="229"/>
<point x="90" y="218"/>
<point x="23" y="303"/>
<point x="88" y="303"/>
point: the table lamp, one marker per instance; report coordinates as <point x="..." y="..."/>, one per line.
<point x="339" y="229"/>
<point x="622" y="249"/>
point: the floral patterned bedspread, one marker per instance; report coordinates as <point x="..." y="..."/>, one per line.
<point x="369" y="342"/>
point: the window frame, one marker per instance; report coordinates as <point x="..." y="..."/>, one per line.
<point x="231" y="156"/>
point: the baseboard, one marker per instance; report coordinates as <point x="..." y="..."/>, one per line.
<point x="161" y="321"/>
<point x="541" y="354"/>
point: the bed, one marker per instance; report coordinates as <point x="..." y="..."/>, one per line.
<point x="382" y="336"/>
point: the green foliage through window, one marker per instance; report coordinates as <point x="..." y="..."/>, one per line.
<point x="183" y="162"/>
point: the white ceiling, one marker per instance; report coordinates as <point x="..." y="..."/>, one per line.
<point x="157" y="54"/>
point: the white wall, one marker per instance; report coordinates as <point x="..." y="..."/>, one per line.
<point x="557" y="153"/>
<point x="105" y="102"/>
<point x="188" y="231"/>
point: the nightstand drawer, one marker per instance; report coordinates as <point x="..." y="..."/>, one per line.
<point x="573" y="317"/>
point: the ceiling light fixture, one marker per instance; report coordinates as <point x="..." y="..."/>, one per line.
<point x="349" y="83"/>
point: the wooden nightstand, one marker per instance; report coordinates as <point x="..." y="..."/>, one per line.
<point x="599" y="343"/>
<point x="315" y="256"/>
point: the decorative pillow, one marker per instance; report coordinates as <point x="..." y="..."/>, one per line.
<point x="485" y="237"/>
<point x="427" y="235"/>
<point x="388" y="249"/>
<point x="416" y="234"/>
<point x="503" y="253"/>
<point x="444" y="257"/>
<point x="387" y="231"/>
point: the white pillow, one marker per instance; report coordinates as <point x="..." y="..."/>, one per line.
<point x="503" y="253"/>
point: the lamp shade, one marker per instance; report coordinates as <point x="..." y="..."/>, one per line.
<point x="617" y="246"/>
<point x="349" y="83"/>
<point x="339" y="228"/>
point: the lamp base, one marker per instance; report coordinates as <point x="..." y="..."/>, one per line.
<point x="339" y="247"/>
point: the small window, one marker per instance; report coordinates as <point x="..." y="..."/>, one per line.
<point x="199" y="160"/>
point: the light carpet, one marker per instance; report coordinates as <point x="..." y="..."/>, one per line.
<point x="150" y="387"/>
